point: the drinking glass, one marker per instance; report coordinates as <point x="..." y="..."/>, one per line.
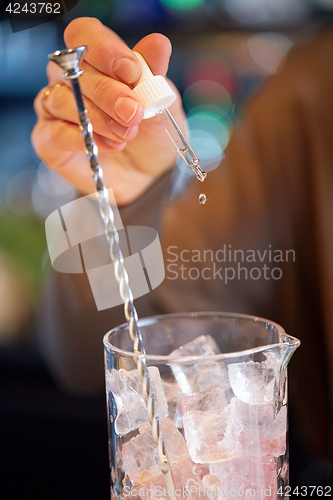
<point x="219" y="383"/>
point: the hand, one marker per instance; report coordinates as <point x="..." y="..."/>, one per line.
<point x="132" y="152"/>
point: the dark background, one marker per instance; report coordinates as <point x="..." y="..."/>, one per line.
<point x="52" y="444"/>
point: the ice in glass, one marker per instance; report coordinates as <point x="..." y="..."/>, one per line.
<point x="219" y="384"/>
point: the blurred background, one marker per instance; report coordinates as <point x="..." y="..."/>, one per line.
<point x="52" y="443"/>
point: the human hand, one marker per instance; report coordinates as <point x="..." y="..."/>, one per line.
<point x="132" y="152"/>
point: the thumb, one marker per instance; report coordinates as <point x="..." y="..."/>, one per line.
<point x="156" y="50"/>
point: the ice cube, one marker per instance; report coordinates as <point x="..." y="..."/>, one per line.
<point x="252" y="430"/>
<point x="175" y="445"/>
<point x="252" y="382"/>
<point x="126" y="387"/>
<point x="247" y="477"/>
<point x="172" y="393"/>
<point x="186" y="484"/>
<point x="200" y="470"/>
<point x="213" y="487"/>
<point x="279" y="426"/>
<point x="203" y="375"/>
<point x="140" y="456"/>
<point x="273" y="362"/>
<point x="213" y="399"/>
<point x="209" y="375"/>
<point x="255" y="444"/>
<point x="205" y="417"/>
<point x="275" y="437"/>
<point x="254" y="415"/>
<point x="131" y="492"/>
<point x="204" y="345"/>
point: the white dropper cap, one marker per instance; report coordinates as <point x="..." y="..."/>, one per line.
<point x="153" y="90"/>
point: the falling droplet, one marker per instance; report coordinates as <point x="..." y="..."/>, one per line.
<point x="202" y="199"/>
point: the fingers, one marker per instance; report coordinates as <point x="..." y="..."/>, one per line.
<point x="110" y="55"/>
<point x="59" y="104"/>
<point x="113" y="107"/>
<point x="156" y="50"/>
<point x="110" y="71"/>
<point x="111" y="96"/>
<point x="52" y="139"/>
<point x="55" y="74"/>
<point x="106" y="51"/>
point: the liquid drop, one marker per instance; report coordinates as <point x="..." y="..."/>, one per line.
<point x="202" y="199"/>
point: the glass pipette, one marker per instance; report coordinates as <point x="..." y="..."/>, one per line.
<point x="182" y="145"/>
<point x="156" y="95"/>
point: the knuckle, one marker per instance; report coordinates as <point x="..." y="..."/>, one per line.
<point x="96" y="116"/>
<point x="101" y="88"/>
<point x="100" y="46"/>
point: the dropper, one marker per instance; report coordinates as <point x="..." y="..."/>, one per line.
<point x="156" y="95"/>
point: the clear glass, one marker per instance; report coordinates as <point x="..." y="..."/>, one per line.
<point x="220" y="387"/>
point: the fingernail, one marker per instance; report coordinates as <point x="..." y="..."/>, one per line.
<point x="125" y="108"/>
<point x="126" y="70"/>
<point x="118" y="129"/>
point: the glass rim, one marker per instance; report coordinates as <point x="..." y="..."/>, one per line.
<point x="285" y="339"/>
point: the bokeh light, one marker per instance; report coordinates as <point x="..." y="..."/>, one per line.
<point x="50" y="191"/>
<point x="268" y="50"/>
<point x="204" y="121"/>
<point x="214" y="69"/>
<point x="210" y="86"/>
<point x="207" y="92"/>
<point x="209" y="136"/>
<point x="181" y="5"/>
<point x="18" y="192"/>
<point x="207" y="148"/>
<point x="266" y="12"/>
<point x="215" y="111"/>
<point x="51" y="182"/>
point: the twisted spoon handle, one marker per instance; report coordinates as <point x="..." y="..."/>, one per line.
<point x="69" y="60"/>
